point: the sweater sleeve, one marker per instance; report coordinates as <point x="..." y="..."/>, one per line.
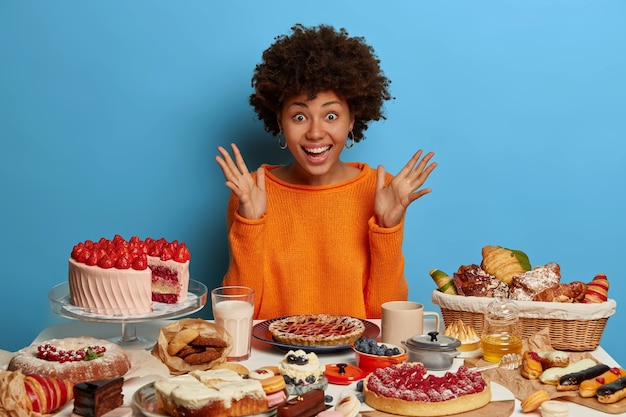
<point x="387" y="280"/>
<point x="246" y="252"/>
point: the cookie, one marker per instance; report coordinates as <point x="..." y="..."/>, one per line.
<point x="188" y="350"/>
<point x="237" y="367"/>
<point x="203" y="357"/>
<point x="206" y="341"/>
<point x="181" y="339"/>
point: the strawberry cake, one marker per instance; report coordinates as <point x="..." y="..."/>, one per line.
<point x="120" y="277"/>
<point x="407" y="389"/>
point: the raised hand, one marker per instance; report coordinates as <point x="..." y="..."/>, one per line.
<point x="251" y="194"/>
<point x="392" y="200"/>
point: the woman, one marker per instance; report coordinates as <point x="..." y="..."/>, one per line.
<point x="319" y="235"/>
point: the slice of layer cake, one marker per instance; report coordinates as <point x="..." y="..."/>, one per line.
<point x="169" y="263"/>
<point x="96" y="398"/>
<point x="170" y="280"/>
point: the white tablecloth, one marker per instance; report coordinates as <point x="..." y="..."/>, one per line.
<point x="262" y="354"/>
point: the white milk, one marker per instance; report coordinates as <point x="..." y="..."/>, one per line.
<point x="236" y="317"/>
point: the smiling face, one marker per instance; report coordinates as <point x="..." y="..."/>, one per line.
<point x="316" y="131"/>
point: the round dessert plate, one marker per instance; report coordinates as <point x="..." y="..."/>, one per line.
<point x="145" y="401"/>
<point x="260" y="331"/>
<point x="59" y="297"/>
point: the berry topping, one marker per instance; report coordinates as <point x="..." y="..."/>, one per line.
<point x="298" y="360"/>
<point x="371" y="347"/>
<point x="122" y="254"/>
<point x="52" y="353"/>
<point x="411" y="382"/>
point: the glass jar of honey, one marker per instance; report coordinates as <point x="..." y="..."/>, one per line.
<point x="501" y="333"/>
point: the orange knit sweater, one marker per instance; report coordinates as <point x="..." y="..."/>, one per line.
<point x="317" y="249"/>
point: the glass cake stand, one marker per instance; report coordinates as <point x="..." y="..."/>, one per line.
<point x="59" y="297"/>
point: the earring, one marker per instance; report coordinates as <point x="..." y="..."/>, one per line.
<point x="282" y="141"/>
<point x="351" y="137"/>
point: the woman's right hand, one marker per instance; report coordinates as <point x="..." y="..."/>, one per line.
<point x="251" y="194"/>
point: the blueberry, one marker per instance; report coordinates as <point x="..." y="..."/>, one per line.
<point x="328" y="398"/>
<point x="310" y="379"/>
<point x="361" y="398"/>
<point x="302" y="360"/>
<point x="359" y="386"/>
<point x="292" y="358"/>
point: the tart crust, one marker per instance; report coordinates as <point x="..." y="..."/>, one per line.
<point x="317" y="330"/>
<point x="427" y="409"/>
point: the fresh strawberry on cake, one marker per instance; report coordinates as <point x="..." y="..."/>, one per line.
<point x="120" y="277"/>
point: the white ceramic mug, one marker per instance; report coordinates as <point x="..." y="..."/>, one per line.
<point x="402" y="320"/>
<point x="233" y="308"/>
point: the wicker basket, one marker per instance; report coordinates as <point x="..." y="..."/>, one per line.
<point x="573" y="327"/>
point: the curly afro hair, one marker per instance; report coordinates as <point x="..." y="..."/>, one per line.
<point x="317" y="59"/>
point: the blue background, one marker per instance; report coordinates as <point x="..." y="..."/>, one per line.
<point x="111" y="112"/>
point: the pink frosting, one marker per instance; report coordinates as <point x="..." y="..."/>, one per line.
<point x="110" y="291"/>
<point x="120" y="292"/>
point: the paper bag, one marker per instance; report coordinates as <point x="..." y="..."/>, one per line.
<point x="177" y="365"/>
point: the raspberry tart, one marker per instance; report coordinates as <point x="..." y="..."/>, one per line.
<point x="407" y="389"/>
<point x="317" y="330"/>
<point x="118" y="277"/>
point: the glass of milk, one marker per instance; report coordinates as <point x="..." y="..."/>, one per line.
<point x="233" y="307"/>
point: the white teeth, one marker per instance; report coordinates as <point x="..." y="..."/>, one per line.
<point x="317" y="150"/>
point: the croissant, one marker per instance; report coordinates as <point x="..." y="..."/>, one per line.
<point x="579" y="289"/>
<point x="597" y="289"/>
<point x="24" y="395"/>
<point x="444" y="282"/>
<point x="504" y="263"/>
<point x="562" y="293"/>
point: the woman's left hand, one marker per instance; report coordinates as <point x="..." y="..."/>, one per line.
<point x="392" y="200"/>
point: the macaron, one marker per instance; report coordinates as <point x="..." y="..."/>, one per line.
<point x="330" y="413"/>
<point x="261" y="374"/>
<point x="349" y="406"/>
<point x="276" y="398"/>
<point x="272" y="384"/>
<point x="554" y="408"/>
<point x="274" y="388"/>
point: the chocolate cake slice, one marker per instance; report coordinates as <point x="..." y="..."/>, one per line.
<point x="95" y="398"/>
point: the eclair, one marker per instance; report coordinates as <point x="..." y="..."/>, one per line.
<point x="589" y="387"/>
<point x="570" y="382"/>
<point x="551" y="376"/>
<point x="613" y="392"/>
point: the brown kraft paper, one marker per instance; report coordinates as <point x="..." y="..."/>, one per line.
<point x="177" y="365"/>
